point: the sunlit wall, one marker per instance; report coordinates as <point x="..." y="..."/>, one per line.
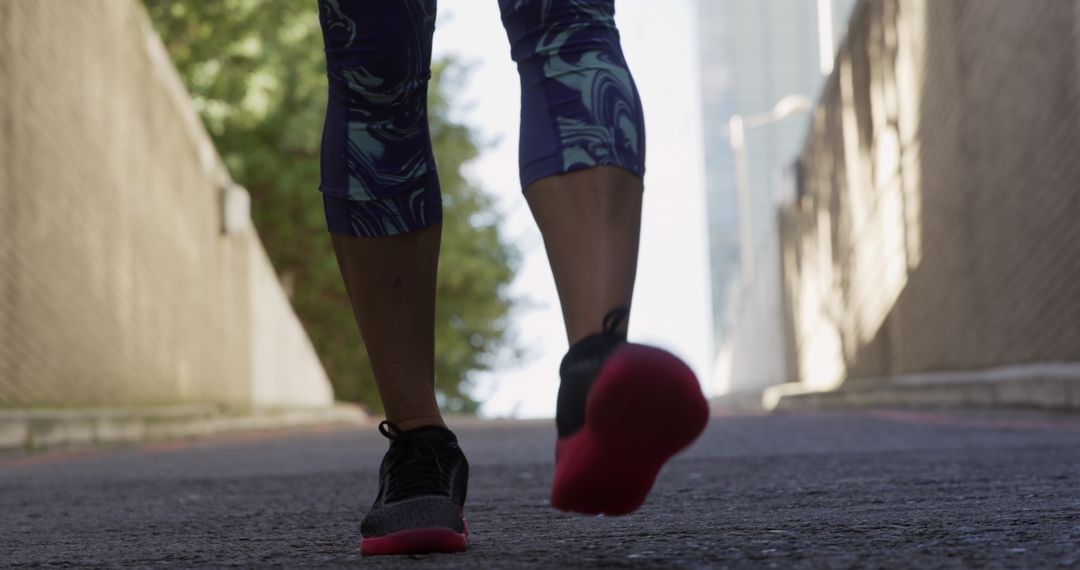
<point x="936" y="224"/>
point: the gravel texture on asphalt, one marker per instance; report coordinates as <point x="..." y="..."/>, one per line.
<point x="799" y="490"/>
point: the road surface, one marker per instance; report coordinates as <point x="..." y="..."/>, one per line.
<point x="809" y="490"/>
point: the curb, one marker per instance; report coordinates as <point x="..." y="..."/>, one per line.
<point x="36" y="429"/>
<point x="1060" y="394"/>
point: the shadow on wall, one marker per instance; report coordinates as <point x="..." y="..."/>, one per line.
<point x="935" y="223"/>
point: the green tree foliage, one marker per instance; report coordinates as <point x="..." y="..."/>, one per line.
<point x="256" y="72"/>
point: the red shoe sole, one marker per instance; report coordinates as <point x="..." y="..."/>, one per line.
<point x="644" y="407"/>
<point x="415" y="541"/>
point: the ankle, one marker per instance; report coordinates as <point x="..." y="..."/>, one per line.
<point x="418" y="422"/>
<point x="613" y="325"/>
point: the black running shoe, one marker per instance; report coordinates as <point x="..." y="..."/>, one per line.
<point x="612" y="397"/>
<point x="421" y="501"/>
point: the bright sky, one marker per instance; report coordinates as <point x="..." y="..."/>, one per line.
<point x="671" y="298"/>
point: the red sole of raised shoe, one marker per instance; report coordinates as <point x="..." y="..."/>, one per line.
<point x="415" y="541"/>
<point x="644" y="407"/>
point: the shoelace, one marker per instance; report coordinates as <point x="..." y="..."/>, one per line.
<point x="415" y="464"/>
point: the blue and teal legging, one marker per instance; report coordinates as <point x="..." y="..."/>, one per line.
<point x="579" y="105"/>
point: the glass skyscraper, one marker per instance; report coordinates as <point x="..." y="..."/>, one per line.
<point x="753" y="54"/>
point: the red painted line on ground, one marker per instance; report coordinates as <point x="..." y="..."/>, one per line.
<point x="927" y="418"/>
<point x="50" y="457"/>
<point x="725" y="414"/>
<point x="238" y="437"/>
<point x="170" y="446"/>
<point x="167" y="446"/>
<point x="263" y="435"/>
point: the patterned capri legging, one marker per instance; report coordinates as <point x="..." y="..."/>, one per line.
<point x="579" y="105"/>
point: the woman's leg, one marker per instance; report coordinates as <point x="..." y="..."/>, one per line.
<point x="590" y="220"/>
<point x="381" y="191"/>
<point x="623" y="409"/>
<point x="582" y="151"/>
<point x="383" y="210"/>
<point x="391" y="283"/>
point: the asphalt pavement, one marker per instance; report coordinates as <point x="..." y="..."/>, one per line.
<point x="873" y="489"/>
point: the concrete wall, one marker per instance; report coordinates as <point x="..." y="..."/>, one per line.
<point x="117" y="284"/>
<point x="937" y="221"/>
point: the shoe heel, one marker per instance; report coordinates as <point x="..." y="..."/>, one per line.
<point x="644" y="407"/>
<point x="649" y="400"/>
